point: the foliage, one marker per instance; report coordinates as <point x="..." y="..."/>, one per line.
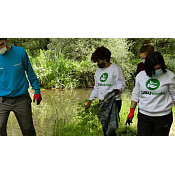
<point x="123" y="129"/>
<point x="79" y="51"/>
<point x="170" y="63"/>
<point x="88" y="124"/>
<point x="75" y="54"/>
<point x="82" y="48"/>
<point x="121" y="56"/>
<point x="163" y="45"/>
<point x="83" y="124"/>
<point x="54" y="71"/>
<point x="32" y="44"/>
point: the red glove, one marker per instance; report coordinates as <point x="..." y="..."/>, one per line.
<point x="130" y="116"/>
<point x="38" y="97"/>
<point x="88" y="104"/>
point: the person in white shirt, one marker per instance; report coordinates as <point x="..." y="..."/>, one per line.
<point x="155" y="91"/>
<point x="107" y="78"/>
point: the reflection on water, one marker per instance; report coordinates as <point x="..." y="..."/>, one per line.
<point x="55" y="103"/>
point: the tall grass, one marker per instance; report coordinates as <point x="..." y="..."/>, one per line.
<point x="82" y="124"/>
<point x="87" y="123"/>
<point x="57" y="71"/>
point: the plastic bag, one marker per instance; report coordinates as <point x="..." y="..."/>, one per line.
<point x="108" y="112"/>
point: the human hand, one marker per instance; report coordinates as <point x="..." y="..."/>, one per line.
<point x="130" y="116"/>
<point x="88" y="104"/>
<point x="38" y="97"/>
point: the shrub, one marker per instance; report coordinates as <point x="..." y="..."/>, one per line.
<point x="82" y="48"/>
<point x="54" y="71"/>
<point x="32" y="44"/>
<point x="170" y="64"/>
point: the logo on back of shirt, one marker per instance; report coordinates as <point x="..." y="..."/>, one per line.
<point x="104" y="77"/>
<point x="152" y="84"/>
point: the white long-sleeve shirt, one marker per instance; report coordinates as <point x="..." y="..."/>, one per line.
<point x="155" y="95"/>
<point x="107" y="79"/>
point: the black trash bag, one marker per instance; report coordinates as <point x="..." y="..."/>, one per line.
<point x="108" y="112"/>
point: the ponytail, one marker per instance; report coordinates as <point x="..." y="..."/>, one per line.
<point x="146" y="47"/>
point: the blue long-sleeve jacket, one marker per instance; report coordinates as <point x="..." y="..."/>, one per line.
<point x="14" y="65"/>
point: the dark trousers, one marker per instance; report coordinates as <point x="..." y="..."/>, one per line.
<point x="118" y="108"/>
<point x="23" y="113"/>
<point x="159" y="126"/>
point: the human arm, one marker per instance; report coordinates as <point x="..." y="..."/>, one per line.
<point x="120" y="81"/>
<point x="134" y="101"/>
<point x="140" y="67"/>
<point x="133" y="104"/>
<point x="131" y="114"/>
<point x="137" y="71"/>
<point x="30" y="73"/>
<point x="172" y="89"/>
<point x="32" y="78"/>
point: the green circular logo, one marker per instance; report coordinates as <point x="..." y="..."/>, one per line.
<point x="104" y="77"/>
<point x="152" y="84"/>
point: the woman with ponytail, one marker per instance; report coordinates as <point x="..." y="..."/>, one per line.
<point x="144" y="51"/>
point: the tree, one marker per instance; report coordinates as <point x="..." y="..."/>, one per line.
<point x="82" y="49"/>
<point x="32" y="44"/>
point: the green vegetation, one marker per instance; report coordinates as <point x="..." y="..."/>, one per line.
<point x="81" y="123"/>
<point x="67" y="63"/>
<point x="63" y="63"/>
<point x="164" y="45"/>
<point x="88" y="124"/>
<point x="32" y="44"/>
<point x="60" y="72"/>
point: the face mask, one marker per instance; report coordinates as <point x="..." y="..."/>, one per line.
<point x="3" y="50"/>
<point x="158" y="72"/>
<point x="101" y="65"/>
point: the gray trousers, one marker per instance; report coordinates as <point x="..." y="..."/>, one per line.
<point x="21" y="106"/>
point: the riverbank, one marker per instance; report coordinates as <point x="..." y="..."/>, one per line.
<point x="58" y="115"/>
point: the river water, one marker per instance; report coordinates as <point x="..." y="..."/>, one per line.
<point x="55" y="103"/>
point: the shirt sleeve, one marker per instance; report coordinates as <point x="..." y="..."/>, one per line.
<point x="172" y="88"/>
<point x="31" y="74"/>
<point x="136" y="91"/>
<point x="95" y="91"/>
<point x="120" y="81"/>
<point x="137" y="71"/>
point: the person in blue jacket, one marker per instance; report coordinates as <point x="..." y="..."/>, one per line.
<point x="15" y="74"/>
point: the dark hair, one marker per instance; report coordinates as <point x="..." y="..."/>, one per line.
<point x="146" y="47"/>
<point x="152" y="60"/>
<point x="3" y="39"/>
<point x="101" y="53"/>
